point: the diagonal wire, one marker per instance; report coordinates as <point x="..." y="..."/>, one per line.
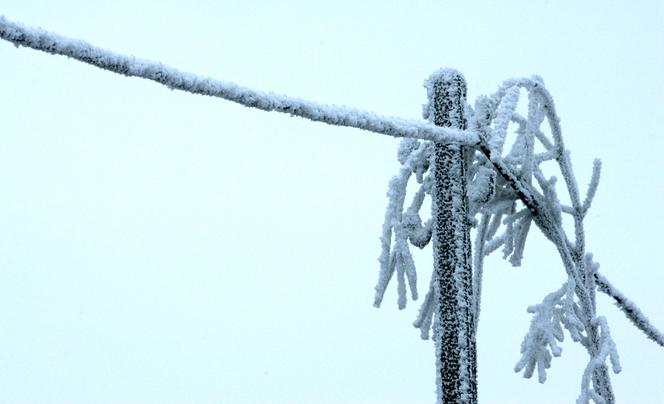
<point x="39" y="39"/>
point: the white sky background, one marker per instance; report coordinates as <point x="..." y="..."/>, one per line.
<point x="162" y="247"/>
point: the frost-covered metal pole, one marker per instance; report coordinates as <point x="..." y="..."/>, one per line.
<point x="456" y="361"/>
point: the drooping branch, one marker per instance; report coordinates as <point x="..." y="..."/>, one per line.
<point x="516" y="170"/>
<point x="35" y="38"/>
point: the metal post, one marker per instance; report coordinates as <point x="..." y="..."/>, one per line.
<point x="456" y="361"/>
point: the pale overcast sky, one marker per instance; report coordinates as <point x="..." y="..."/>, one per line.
<point x="160" y="247"/>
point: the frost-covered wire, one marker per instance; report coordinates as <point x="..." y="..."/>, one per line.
<point x="38" y="39"/>
<point x="630" y="309"/>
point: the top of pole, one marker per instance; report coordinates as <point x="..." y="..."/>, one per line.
<point x="446" y="91"/>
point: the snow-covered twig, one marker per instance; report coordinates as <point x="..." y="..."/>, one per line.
<point x="504" y="114"/>
<point x="546" y="329"/>
<point x="425" y="316"/>
<point x="398" y="257"/>
<point x="478" y="264"/>
<point x="607" y="350"/>
<point x="592" y="188"/>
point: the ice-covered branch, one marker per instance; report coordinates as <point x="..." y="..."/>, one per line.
<point x="592" y="187"/>
<point x="478" y="265"/>
<point x="607" y="350"/>
<point x="36" y="38"/>
<point x="411" y="153"/>
<point x="556" y="311"/>
<point x="516" y="170"/>
<point x="504" y="114"/>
